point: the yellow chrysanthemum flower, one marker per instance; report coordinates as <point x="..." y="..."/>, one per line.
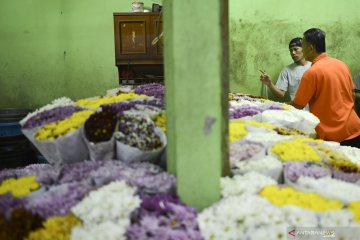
<point x="19" y="187"/>
<point x="61" y="128"/>
<point x="237" y="130"/>
<point x="309" y="140"/>
<point x="286" y="107"/>
<point x="97" y="102"/>
<point x="295" y="150"/>
<point x="289" y="196"/>
<point x="260" y="124"/>
<point x="160" y="121"/>
<point x="231" y="96"/>
<point x="56" y="228"/>
<point x="354" y="207"/>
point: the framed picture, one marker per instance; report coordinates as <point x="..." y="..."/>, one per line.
<point x="156" y="7"/>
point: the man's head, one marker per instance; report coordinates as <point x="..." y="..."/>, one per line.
<point x="313" y="43"/>
<point x="295" y="49"/>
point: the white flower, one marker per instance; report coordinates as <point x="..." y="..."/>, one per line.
<point x="250" y="183"/>
<point x="352" y="153"/>
<point x="113" y="202"/>
<point x="107" y="230"/>
<point x="303" y="121"/>
<point x="270" y="232"/>
<point x="330" y="188"/>
<point x="143" y="111"/>
<point x="266" y="165"/>
<point x="244" y="102"/>
<point x="267" y="139"/>
<point x="233" y="216"/>
<point x="336" y="218"/>
<point x="299" y="217"/>
<point x="307" y="122"/>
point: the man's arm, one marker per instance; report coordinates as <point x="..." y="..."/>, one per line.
<point x="266" y="79"/>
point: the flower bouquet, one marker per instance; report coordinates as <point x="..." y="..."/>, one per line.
<point x="62" y="141"/>
<point x="44" y="116"/>
<point x="138" y="139"/>
<point x="99" y="134"/>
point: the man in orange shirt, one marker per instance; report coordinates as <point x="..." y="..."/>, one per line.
<point x="328" y="88"/>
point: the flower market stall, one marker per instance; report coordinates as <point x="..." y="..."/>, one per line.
<point x="106" y="176"/>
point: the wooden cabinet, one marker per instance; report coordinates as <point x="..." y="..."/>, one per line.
<point x="137" y="56"/>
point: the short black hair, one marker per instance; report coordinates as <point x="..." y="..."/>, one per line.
<point x="316" y="37"/>
<point x="295" y="42"/>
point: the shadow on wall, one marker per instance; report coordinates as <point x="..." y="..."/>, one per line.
<point x="255" y="46"/>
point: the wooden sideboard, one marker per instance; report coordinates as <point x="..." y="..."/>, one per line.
<point x="138" y="58"/>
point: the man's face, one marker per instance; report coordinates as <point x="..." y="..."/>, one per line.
<point x="296" y="53"/>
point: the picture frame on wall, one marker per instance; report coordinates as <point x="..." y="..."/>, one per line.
<point x="156" y="7"/>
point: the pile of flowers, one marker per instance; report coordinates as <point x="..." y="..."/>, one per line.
<point x="94" y="199"/>
<point x="112" y="199"/>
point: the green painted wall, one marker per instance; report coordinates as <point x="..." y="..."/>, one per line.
<point x="50" y="49"/>
<point x="260" y="31"/>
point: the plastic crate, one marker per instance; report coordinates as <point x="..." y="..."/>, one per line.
<point x="8" y="129"/>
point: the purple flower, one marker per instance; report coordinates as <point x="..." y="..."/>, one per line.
<point x="158" y="203"/>
<point x="274" y="107"/>
<point x="244" y="111"/>
<point x="50" y="116"/>
<point x="164" y="217"/>
<point x="146" y="177"/>
<point x="150" y="89"/>
<point x="78" y="171"/>
<point x="120" y="107"/>
<point x="58" y="200"/>
<point x="294" y="170"/>
<point x="344" y="176"/>
<point x="162" y="182"/>
<point x="241" y="151"/>
<point x="45" y="173"/>
<point x="8" y="203"/>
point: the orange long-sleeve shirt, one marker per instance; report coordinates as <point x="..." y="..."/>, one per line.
<point x="328" y="88"/>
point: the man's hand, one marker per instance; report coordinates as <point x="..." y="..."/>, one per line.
<point x="265" y="78"/>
